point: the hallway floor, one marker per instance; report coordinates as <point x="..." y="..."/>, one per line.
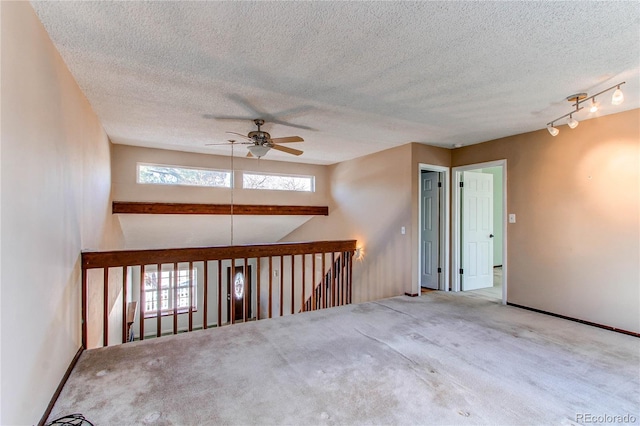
<point x="442" y="358"/>
<point x="494" y="292"/>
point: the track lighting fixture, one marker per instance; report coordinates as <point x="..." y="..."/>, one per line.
<point x="580" y="98"/>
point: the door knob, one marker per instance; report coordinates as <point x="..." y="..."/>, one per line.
<point x="490" y="235"/>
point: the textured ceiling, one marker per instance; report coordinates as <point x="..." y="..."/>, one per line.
<point x="351" y="78"/>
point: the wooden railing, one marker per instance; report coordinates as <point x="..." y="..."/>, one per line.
<point x="333" y="290"/>
<point x="180" y="290"/>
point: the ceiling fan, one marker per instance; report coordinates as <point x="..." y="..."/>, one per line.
<point x="260" y="142"/>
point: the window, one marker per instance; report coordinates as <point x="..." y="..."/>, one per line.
<point x="278" y="182"/>
<point x="171" y="175"/>
<point x="167" y="297"/>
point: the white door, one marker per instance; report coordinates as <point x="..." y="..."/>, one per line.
<point x="477" y="231"/>
<point x="430" y="230"/>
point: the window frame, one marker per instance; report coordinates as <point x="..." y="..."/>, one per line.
<point x="192" y="275"/>
<point x="312" y="179"/>
<point x="204" y="169"/>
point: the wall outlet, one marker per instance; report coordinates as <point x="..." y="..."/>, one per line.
<point x="512" y="218"/>
<point x="403" y="230"/>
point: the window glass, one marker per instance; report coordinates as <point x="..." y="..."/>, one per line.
<point x="278" y="182"/>
<point x="169" y="298"/>
<point x="171" y="175"/>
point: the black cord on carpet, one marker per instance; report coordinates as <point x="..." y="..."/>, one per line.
<point x="71" y="420"/>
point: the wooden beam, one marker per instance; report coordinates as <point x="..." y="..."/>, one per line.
<point x="126" y="207"/>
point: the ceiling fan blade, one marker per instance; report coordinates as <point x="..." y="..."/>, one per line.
<point x="288" y="139"/>
<point x="287" y="149"/>
<point x="241" y="135"/>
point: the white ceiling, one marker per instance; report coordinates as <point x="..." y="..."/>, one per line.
<point x="351" y="78"/>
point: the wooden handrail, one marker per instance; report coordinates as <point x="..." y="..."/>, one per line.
<point x="106" y="259"/>
<point x="136" y="207"/>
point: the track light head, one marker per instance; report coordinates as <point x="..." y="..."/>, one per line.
<point x="594" y="105"/>
<point x="618" y="97"/>
<point x="572" y="122"/>
<point x="552" y="130"/>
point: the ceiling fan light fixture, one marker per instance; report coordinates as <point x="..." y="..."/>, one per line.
<point x="258" y="150"/>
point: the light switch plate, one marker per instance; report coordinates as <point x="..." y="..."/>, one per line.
<point x="403" y="230"/>
<point x="512" y="218"/>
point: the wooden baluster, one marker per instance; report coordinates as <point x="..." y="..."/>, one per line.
<point x="105" y="308"/>
<point x="304" y="273"/>
<point x="313" y="281"/>
<point x="324" y="281"/>
<point x="191" y="286"/>
<point x="84" y="308"/>
<point x="219" y="293"/>
<point x="342" y="280"/>
<point x="281" y="285"/>
<point x="350" y="276"/>
<point x="159" y="301"/>
<point x="245" y="299"/>
<point x="124" y="304"/>
<point x="270" y="285"/>
<point x="258" y="288"/>
<point x="206" y="294"/>
<point x="338" y="279"/>
<point x="143" y="302"/>
<point x="333" y="279"/>
<point x="292" y="284"/>
<point x="338" y="290"/>
<point x="174" y="295"/>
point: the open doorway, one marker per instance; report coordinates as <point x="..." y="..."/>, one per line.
<point x="433" y="228"/>
<point x="479" y="241"/>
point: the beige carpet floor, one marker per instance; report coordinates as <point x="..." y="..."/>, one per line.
<point x="441" y="358"/>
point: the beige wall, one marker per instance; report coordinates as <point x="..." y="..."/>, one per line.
<point x="574" y="250"/>
<point x="55" y="201"/>
<point x="372" y="197"/>
<point x="125" y="187"/>
<point x="163" y="231"/>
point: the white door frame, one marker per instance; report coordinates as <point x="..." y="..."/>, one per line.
<point x="443" y="283"/>
<point x="455" y="242"/>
